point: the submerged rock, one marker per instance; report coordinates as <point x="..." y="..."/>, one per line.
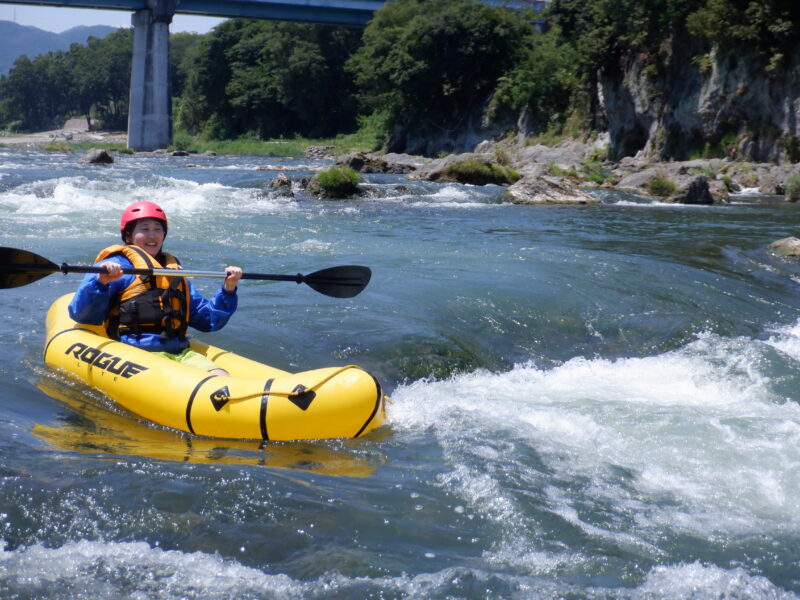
<point x="788" y="247"/>
<point x="96" y="156"/>
<point x="281" y="185"/>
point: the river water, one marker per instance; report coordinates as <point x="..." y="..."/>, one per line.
<point x="587" y="401"/>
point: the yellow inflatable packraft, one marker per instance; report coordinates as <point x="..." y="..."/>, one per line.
<point x="256" y="402"/>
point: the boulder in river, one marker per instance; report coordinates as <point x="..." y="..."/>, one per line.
<point x="547" y="190"/>
<point x="368" y="163"/>
<point x="469" y="168"/>
<point x="788" y="247"/>
<point x="694" y="192"/>
<point x="96" y="156"/>
<point x="281" y="185"/>
<point x="335" y="183"/>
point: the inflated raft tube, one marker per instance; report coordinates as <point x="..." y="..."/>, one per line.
<point x="256" y="402"/>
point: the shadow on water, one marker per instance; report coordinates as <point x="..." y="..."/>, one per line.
<point x="94" y="430"/>
<point x="419" y="357"/>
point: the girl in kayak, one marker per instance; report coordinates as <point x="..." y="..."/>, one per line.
<point x="151" y="312"/>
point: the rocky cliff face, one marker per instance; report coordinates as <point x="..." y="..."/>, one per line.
<point x="462" y="133"/>
<point x="680" y="106"/>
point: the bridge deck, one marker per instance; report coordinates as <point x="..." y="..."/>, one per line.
<point x="342" y="12"/>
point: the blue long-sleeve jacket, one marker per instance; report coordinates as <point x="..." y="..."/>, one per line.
<point x="91" y="303"/>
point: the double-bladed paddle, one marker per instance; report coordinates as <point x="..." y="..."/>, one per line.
<point x="20" y="267"/>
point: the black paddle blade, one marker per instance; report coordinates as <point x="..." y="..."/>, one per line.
<point x="339" y="282"/>
<point x="20" y="267"/>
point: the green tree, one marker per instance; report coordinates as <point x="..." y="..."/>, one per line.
<point x="429" y="66"/>
<point x="269" y="79"/>
<point x="91" y="80"/>
<point x="102" y="77"/>
<point x="543" y="82"/>
<point x="34" y="94"/>
<point x="87" y="80"/>
<point x="604" y="31"/>
<point x="771" y="27"/>
<point x="180" y="45"/>
<point x="203" y="105"/>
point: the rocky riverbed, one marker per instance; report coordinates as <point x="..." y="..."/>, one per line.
<point x="557" y="174"/>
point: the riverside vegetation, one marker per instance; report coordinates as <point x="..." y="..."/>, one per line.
<point x="618" y="90"/>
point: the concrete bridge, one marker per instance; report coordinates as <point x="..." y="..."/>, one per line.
<point x="149" y="112"/>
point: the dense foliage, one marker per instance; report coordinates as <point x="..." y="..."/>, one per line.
<point x="771" y="27"/>
<point x="542" y="84"/>
<point x="266" y="80"/>
<point x="90" y="81"/>
<point x="604" y="30"/>
<point x="429" y="66"/>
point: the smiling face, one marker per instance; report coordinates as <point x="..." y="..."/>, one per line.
<point x="147" y="234"/>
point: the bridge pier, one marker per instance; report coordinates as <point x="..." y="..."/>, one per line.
<point x="150" y="107"/>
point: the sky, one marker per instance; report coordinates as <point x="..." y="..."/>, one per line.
<point x="57" y="19"/>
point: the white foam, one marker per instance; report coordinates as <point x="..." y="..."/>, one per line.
<point x="695" y="580"/>
<point x="314" y="247"/>
<point x="453" y="192"/>
<point x="787" y="340"/>
<point x="447" y="196"/>
<point x="697" y="433"/>
<point x="643" y="202"/>
<point x="61" y="196"/>
<point x="746" y="191"/>
<point x="100" y="201"/>
<point x="107" y="570"/>
<point x="135" y="570"/>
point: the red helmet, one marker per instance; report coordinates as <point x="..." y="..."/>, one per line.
<point x="142" y="210"/>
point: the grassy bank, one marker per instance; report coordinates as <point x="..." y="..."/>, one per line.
<point x="366" y="139"/>
<point x="361" y="141"/>
<point x="291" y="148"/>
<point x="288" y="148"/>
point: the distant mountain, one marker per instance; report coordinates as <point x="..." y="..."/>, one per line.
<point x="32" y="41"/>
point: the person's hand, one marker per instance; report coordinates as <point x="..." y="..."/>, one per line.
<point x="232" y="277"/>
<point x="113" y="272"/>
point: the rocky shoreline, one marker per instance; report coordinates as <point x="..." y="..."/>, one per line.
<point x="536" y="174"/>
<point x="561" y="173"/>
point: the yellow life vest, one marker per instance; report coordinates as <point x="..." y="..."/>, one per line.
<point x="150" y="304"/>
